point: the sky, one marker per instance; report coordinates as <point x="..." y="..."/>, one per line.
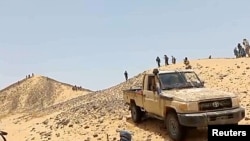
<point x="90" y="43"/>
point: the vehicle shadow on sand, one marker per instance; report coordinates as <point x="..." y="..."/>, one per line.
<point x="157" y="127"/>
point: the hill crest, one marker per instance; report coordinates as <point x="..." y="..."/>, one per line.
<point x="36" y="92"/>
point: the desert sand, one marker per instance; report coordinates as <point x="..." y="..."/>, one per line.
<point x="42" y="109"/>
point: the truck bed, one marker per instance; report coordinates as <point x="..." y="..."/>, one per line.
<point x="133" y="94"/>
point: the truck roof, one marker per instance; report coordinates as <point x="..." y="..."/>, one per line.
<point x="171" y="71"/>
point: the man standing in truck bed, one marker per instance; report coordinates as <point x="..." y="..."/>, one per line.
<point x="187" y="63"/>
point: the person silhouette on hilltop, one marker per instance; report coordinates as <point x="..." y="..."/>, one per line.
<point x="126" y="75"/>
<point x="173" y="60"/>
<point x="166" y="60"/>
<point x="247" y="47"/>
<point x="241" y="50"/>
<point x="158" y="60"/>
<point x="236" y="52"/>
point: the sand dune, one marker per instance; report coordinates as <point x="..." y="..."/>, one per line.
<point x="100" y="115"/>
<point x="35" y="93"/>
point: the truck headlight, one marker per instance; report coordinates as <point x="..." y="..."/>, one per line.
<point x="191" y="106"/>
<point x="235" y="102"/>
<point x="183" y="107"/>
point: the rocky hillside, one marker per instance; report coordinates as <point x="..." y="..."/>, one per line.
<point x="99" y="115"/>
<point x="34" y="93"/>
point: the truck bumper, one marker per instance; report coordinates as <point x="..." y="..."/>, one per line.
<point x="231" y="116"/>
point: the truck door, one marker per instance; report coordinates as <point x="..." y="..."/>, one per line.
<point x="151" y="103"/>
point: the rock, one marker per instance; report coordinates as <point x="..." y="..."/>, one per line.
<point x="95" y="107"/>
<point x="128" y="117"/>
<point x="33" y="129"/>
<point x="247" y="118"/>
<point x="64" y="122"/>
<point x="46" y="122"/>
<point x="77" y="122"/>
<point x="102" y="114"/>
<point x="95" y="135"/>
<point x="86" y="127"/>
<point x="101" y="120"/>
<point x="120" y="117"/>
<point x="88" y="139"/>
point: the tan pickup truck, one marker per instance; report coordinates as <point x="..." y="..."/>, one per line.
<point x="181" y="100"/>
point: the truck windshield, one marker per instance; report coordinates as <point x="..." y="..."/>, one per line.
<point x="179" y="80"/>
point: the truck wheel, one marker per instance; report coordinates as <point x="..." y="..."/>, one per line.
<point x="174" y="129"/>
<point x="136" y="113"/>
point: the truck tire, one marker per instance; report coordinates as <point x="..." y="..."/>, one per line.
<point x="174" y="129"/>
<point x="136" y="113"/>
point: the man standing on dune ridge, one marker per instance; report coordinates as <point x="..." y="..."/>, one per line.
<point x="126" y="75"/>
<point x="173" y="60"/>
<point x="247" y="47"/>
<point x="236" y="52"/>
<point x="158" y="60"/>
<point x="166" y="60"/>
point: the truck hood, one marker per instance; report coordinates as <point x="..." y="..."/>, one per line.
<point x="196" y="94"/>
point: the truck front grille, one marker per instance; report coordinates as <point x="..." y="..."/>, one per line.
<point x="215" y="104"/>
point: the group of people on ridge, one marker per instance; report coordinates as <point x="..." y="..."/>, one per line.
<point x="158" y="60"/>
<point x="186" y="61"/>
<point x="242" y="51"/>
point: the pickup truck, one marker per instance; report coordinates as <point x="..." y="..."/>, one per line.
<point x="180" y="98"/>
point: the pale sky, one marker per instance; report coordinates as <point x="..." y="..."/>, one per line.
<point x="90" y="43"/>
